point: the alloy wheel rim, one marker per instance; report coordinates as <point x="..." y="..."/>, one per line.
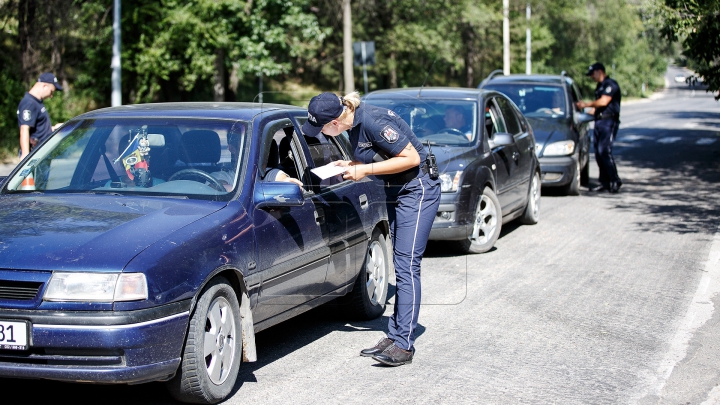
<point x="485" y="221"/>
<point x="219" y="342"/>
<point x="375" y="270"/>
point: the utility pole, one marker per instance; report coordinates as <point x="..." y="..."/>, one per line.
<point x="116" y="95"/>
<point x="347" y="48"/>
<point x="528" y="42"/>
<point x="506" y="37"/>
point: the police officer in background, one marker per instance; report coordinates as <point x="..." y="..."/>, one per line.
<point x="384" y="146"/>
<point x="33" y="118"/>
<point x="607" y="121"/>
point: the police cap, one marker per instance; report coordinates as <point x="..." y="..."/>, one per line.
<point x="322" y="109"/>
<point x="595" y="66"/>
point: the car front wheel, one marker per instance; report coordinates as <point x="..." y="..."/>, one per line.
<point x="574" y="187"/>
<point x="213" y="347"/>
<point x="531" y="216"/>
<point x="486" y="226"/>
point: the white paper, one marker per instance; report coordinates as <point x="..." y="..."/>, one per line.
<point x="327" y="171"/>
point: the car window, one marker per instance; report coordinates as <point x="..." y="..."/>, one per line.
<point x="324" y="150"/>
<point x="511" y="122"/>
<point x="439" y="121"/>
<point x="535" y="100"/>
<point x="138" y="155"/>
<point x="576" y="95"/>
<point x="493" y="121"/>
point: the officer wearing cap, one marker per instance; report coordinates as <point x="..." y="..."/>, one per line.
<point x="384" y="146"/>
<point x="33" y="118"/>
<point x="607" y="121"/>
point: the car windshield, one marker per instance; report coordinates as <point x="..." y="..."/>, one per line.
<point x="165" y="157"/>
<point x="440" y="121"/>
<point x="534" y="100"/>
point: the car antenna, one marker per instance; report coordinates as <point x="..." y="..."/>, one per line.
<point x="426" y="76"/>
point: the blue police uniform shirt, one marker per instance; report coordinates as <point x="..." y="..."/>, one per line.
<point x="608" y="87"/>
<point x="32" y="112"/>
<point x="379" y="131"/>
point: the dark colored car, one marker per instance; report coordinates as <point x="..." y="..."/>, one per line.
<point x="140" y="243"/>
<point x="561" y="129"/>
<point x="486" y="157"/>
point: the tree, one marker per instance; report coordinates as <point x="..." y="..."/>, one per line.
<point x="697" y="24"/>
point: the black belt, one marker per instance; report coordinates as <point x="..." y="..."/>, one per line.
<point x="406" y="176"/>
<point x="608" y="116"/>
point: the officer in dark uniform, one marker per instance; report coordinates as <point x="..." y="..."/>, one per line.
<point x="607" y="121"/>
<point x="33" y="118"/>
<point x="384" y="146"/>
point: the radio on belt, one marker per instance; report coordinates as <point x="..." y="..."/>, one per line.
<point x="431" y="163"/>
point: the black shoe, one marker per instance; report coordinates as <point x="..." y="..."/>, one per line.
<point x="615" y="187"/>
<point x="377" y="349"/>
<point x="394" y="356"/>
<point x="599" y="189"/>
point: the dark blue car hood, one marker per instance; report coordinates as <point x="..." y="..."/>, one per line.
<point x="87" y="232"/>
<point x="454" y="158"/>
<point x="550" y="129"/>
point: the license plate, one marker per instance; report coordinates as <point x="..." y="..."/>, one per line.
<point x="13" y="335"/>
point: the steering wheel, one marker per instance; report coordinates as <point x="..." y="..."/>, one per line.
<point x="453" y="131"/>
<point x="199" y="176"/>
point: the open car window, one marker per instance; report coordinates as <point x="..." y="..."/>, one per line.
<point x="191" y="158"/>
<point x="438" y="121"/>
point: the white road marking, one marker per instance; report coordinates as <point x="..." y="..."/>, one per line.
<point x="705" y="141"/>
<point x="697" y="314"/>
<point x="633" y="138"/>
<point x="669" y="139"/>
<point x="690" y="124"/>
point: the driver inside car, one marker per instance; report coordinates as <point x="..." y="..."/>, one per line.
<point x="455" y="119"/>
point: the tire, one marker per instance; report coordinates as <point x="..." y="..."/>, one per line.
<point x="369" y="294"/>
<point x="208" y="378"/>
<point x="574" y="187"/>
<point x="486" y="225"/>
<point x="585" y="174"/>
<point x="531" y="216"/>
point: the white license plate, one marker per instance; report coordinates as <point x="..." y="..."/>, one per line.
<point x="13" y="335"/>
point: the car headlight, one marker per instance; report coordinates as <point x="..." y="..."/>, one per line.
<point x="449" y="181"/>
<point x="96" y="287"/>
<point x="562" y="148"/>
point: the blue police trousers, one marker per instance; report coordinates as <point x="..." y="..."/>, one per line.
<point x="605" y="132"/>
<point x="411" y="211"/>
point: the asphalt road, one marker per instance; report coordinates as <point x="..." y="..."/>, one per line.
<point x="609" y="299"/>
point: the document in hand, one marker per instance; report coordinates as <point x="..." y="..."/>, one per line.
<point x="327" y="171"/>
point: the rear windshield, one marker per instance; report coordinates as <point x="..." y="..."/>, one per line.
<point x="534" y="100"/>
<point x="438" y="121"/>
<point x="193" y="158"/>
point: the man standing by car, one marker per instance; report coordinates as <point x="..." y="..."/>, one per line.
<point x="33" y="118"/>
<point x="607" y="121"/>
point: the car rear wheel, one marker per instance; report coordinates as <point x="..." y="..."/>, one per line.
<point x="486" y="226"/>
<point x="574" y="187"/>
<point x="213" y="347"/>
<point x="369" y="294"/>
<point x="531" y="216"/>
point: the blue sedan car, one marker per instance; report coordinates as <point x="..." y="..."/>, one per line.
<point x="151" y="242"/>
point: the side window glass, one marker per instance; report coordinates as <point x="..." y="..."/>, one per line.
<point x="511" y="121"/>
<point x="323" y="151"/>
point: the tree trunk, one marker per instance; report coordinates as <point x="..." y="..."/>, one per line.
<point x="26" y="21"/>
<point x="468" y="38"/>
<point x="393" y="71"/>
<point x="219" y="76"/>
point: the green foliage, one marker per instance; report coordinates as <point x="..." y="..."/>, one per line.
<point x="697" y="24"/>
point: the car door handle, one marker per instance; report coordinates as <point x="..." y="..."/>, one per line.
<point x="364" y="202"/>
<point x="515" y="156"/>
<point x="319" y="217"/>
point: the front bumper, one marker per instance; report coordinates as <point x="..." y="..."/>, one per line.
<point x="100" y="347"/>
<point x="450" y="221"/>
<point x="557" y="171"/>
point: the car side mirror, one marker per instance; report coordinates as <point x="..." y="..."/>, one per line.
<point x="582" y="117"/>
<point x="501" y="139"/>
<point x="274" y="194"/>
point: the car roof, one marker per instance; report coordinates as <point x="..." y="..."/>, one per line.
<point x="430" y="93"/>
<point x="217" y="110"/>
<point x="522" y="78"/>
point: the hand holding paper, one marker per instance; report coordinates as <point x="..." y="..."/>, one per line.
<point x="327" y="171"/>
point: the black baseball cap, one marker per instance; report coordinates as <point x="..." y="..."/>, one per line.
<point x="595" y="66"/>
<point x="322" y="109"/>
<point x="48" y="77"/>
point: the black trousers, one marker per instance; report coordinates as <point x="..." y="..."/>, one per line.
<point x="605" y="132"/>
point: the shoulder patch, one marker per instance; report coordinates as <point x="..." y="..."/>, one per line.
<point x="608" y="89"/>
<point x="26" y="115"/>
<point x="389" y="134"/>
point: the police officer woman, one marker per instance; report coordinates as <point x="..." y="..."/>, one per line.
<point x="384" y="146"/>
